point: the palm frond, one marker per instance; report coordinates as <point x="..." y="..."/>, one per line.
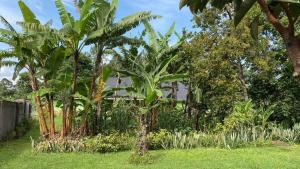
<point x="7" y="24"/>
<point x="28" y="15"/>
<point x="64" y="15"/>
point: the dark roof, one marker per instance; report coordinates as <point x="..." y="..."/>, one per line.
<point x="126" y="82"/>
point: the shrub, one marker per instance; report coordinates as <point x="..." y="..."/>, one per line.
<point x="110" y="143"/>
<point x="58" y="145"/>
<point x="101" y="143"/>
<point x="156" y="139"/>
<point x="285" y="135"/>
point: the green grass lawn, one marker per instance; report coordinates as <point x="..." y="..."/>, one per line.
<point x="17" y="154"/>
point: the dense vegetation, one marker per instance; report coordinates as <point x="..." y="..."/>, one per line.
<point x="242" y="82"/>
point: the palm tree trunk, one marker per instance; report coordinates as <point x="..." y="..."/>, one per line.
<point x="50" y="108"/>
<point x="93" y="90"/>
<point x="38" y="103"/>
<point x="73" y="91"/>
<point x="189" y="100"/>
<point x="153" y="117"/>
<point x="174" y="93"/>
<point x="142" y="136"/>
<point x="64" y="124"/>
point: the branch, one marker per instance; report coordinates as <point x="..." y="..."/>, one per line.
<point x="290" y="18"/>
<point x="272" y="19"/>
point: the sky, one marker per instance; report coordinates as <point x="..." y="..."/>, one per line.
<point x="45" y="10"/>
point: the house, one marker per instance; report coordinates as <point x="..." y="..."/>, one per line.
<point x="126" y="82"/>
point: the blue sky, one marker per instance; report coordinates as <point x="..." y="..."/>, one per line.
<point x="45" y="11"/>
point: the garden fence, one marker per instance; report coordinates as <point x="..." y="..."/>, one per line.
<point x="11" y="114"/>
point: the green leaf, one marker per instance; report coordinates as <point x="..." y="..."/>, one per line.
<point x="151" y="35"/>
<point x="7" y="24"/>
<point x="64" y="15"/>
<point x="241" y="10"/>
<point x="86" y="8"/>
<point x="28" y="15"/>
<point x="107" y="70"/>
<point x="171" y="30"/>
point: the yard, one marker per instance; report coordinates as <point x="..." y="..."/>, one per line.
<point x="17" y="154"/>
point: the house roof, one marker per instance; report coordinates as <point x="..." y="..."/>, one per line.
<point x="126" y="82"/>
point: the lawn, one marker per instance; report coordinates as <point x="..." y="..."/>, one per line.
<point x="17" y="154"/>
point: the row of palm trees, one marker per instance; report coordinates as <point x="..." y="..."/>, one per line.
<point x="51" y="58"/>
<point x="41" y="50"/>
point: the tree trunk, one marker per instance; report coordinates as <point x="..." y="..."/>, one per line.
<point x="64" y="123"/>
<point x="293" y="50"/>
<point x="292" y="42"/>
<point x="142" y="136"/>
<point x="73" y="91"/>
<point x="189" y="100"/>
<point x="38" y="103"/>
<point x="197" y="126"/>
<point x="92" y="93"/>
<point x="174" y="93"/>
<point x="50" y="107"/>
<point x="153" y="118"/>
<point x="241" y="77"/>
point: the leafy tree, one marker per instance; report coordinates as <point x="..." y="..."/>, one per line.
<point x="23" y="88"/>
<point x="74" y="31"/>
<point x="7" y="89"/>
<point x="283" y="15"/>
<point x="21" y="46"/>
<point x="148" y="77"/>
<point x="104" y="34"/>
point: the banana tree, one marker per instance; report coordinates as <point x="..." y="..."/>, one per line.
<point x="74" y="33"/>
<point x="158" y="49"/>
<point x="104" y="34"/>
<point x="283" y="15"/>
<point x="21" y="48"/>
<point x="147" y="78"/>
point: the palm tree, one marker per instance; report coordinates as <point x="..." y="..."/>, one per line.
<point x="21" y="48"/>
<point x="74" y="32"/>
<point x="105" y="35"/>
<point x="147" y="77"/>
<point x="158" y="49"/>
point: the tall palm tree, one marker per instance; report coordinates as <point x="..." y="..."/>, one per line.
<point x="74" y="32"/>
<point x="105" y="34"/>
<point x="147" y="77"/>
<point x="21" y="48"/>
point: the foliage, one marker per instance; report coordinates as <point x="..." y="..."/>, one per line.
<point x="111" y="143"/>
<point x="101" y="143"/>
<point x="59" y="146"/>
<point x="117" y="116"/>
<point x="243" y="115"/>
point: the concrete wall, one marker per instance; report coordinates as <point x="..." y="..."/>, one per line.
<point x="11" y="114"/>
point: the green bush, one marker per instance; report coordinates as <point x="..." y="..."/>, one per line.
<point x="156" y="139"/>
<point x="58" y="145"/>
<point x="101" y="143"/>
<point x="110" y="143"/>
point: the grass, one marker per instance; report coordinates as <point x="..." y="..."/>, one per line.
<point x="17" y="154"/>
